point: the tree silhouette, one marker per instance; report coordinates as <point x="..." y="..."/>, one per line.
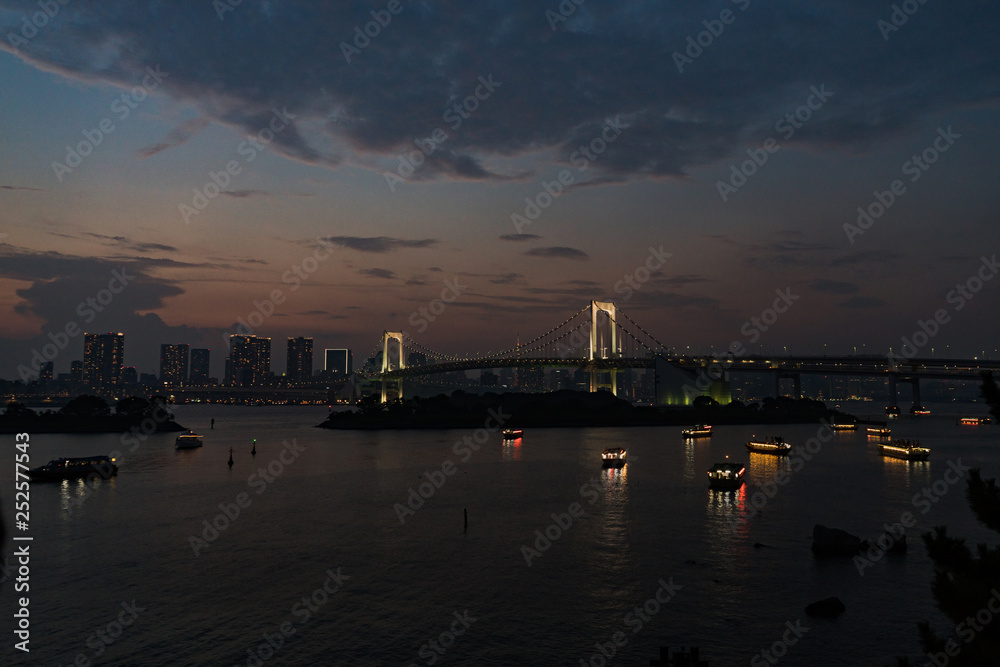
<point x="967" y="586"/>
<point x="86" y="406"/>
<point x="991" y="394"/>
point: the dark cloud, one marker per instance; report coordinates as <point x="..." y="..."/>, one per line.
<point x="416" y="281"/>
<point x="378" y="244"/>
<point x="244" y="194"/>
<point x="863" y="302"/>
<point x="313" y="312"/>
<point x="557" y="252"/>
<point x="520" y="237"/>
<point x="506" y="279"/>
<point x="551" y="90"/>
<point x="20" y="187"/>
<point x="378" y="273"/>
<point x="833" y="287"/>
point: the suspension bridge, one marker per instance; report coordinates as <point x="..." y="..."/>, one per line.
<point x="599" y="338"/>
<point x="602" y="339"/>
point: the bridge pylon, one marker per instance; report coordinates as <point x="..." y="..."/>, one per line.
<point x="396" y="385"/>
<point x="597" y="307"/>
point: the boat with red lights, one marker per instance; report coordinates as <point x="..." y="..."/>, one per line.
<point x="844" y="427"/>
<point x="774" y="445"/>
<point x="726" y="476"/>
<point x="613" y="457"/>
<point x="699" y="431"/>
<point x="908" y="450"/>
<point x="879" y="431"/>
<point x="512" y="433"/>
<point x="974" y="421"/>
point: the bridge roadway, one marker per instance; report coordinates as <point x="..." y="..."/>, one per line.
<point x="950" y="369"/>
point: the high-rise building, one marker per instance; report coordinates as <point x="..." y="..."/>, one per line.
<point x="300" y="359"/>
<point x="130" y="376"/>
<point x="174" y="364"/>
<point x="103" y="359"/>
<point x="338" y="362"/>
<point x="249" y="361"/>
<point x="76" y="370"/>
<point x="45" y="373"/>
<point x="199" y="367"/>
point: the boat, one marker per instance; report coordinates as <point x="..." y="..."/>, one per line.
<point x="880" y="431"/>
<point x="909" y="450"/>
<point x="974" y="421"/>
<point x="726" y="475"/>
<point x="892" y="411"/>
<point x="773" y="445"/>
<point x="844" y="427"/>
<point x="613" y="458"/>
<point x="188" y="440"/>
<point x="699" y="431"/>
<point x="60" y="469"/>
<point x="919" y="411"/>
<point x="512" y="433"/>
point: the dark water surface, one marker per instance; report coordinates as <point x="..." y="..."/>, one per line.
<point x="326" y="517"/>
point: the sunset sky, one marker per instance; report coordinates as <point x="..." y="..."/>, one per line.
<point x="645" y="126"/>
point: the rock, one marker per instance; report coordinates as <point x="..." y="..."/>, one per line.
<point x="827" y="608"/>
<point x="834" y="542"/>
<point x="761" y="545"/>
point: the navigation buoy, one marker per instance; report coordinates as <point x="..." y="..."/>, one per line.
<point x="253" y="452"/>
<point x="230" y="457"/>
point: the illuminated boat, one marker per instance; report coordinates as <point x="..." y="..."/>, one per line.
<point x="909" y="450"/>
<point x="917" y="410"/>
<point x="880" y="431"/>
<point x="699" y="431"/>
<point x="188" y="440"/>
<point x="512" y="433"/>
<point x="974" y="421"/>
<point x="613" y="458"/>
<point x="774" y="445"/>
<point x="726" y="475"/>
<point x="60" y="469"/>
<point x="892" y="411"/>
<point x="844" y="427"/>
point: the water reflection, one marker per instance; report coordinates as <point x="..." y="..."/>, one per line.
<point x="512" y="449"/>
<point x="72" y="492"/>
<point x="689" y="473"/>
<point x="725" y="508"/>
<point x="765" y="467"/>
<point x="909" y="475"/>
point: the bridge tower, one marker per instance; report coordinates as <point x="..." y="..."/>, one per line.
<point x="597" y="307"/>
<point x="386" y="366"/>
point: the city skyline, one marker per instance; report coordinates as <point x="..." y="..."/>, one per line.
<point x="471" y="200"/>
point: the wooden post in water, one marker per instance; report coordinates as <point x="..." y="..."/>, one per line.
<point x="466" y="512"/>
